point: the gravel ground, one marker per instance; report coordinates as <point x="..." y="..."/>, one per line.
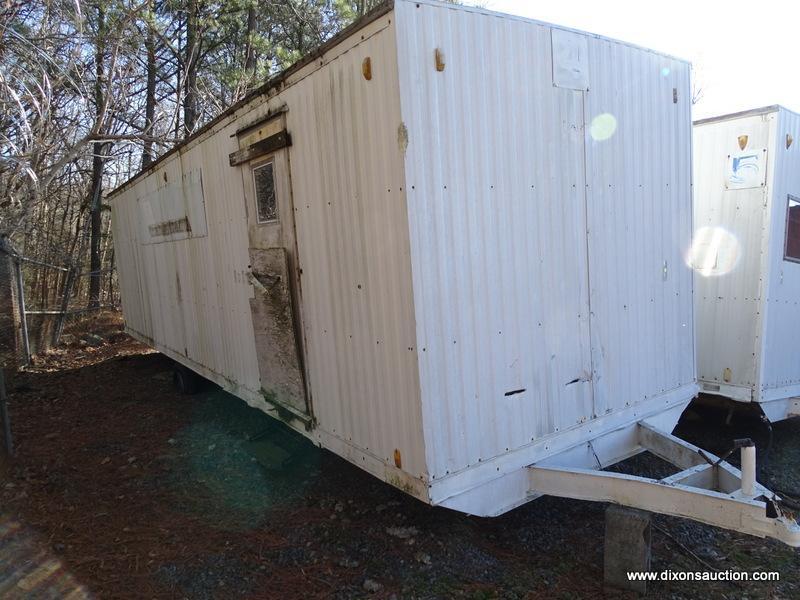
<point x="141" y="492"/>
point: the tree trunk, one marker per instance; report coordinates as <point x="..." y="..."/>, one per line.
<point x="250" y="52"/>
<point x="192" y="51"/>
<point x="150" y="97"/>
<point x="178" y="79"/>
<point x="96" y="190"/>
<point x="110" y="294"/>
<point x="96" y="225"/>
<point x="10" y="342"/>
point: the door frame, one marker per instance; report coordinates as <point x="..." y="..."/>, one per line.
<point x="281" y="232"/>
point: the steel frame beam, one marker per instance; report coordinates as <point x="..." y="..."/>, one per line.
<point x="706" y="489"/>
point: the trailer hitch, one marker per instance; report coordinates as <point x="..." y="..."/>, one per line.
<point x="737" y="444"/>
<point x="705" y="489"/>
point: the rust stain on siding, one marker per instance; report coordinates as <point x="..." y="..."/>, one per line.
<point x="366" y="68"/>
<point x="398" y="460"/>
<point x="439" y="59"/>
<point x="402" y="138"/>
<point x="743" y="139"/>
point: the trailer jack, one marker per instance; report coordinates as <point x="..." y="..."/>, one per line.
<point x="706" y="489"/>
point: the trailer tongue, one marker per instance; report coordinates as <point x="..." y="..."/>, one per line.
<point x="706" y="489"/>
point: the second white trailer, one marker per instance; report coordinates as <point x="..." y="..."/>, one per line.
<point x="747" y="257"/>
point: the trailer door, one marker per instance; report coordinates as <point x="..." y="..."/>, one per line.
<point x="263" y="159"/>
<point x="639" y="206"/>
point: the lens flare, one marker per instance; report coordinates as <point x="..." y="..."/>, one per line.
<point x="603" y="127"/>
<point x="665" y="72"/>
<point x="715" y="252"/>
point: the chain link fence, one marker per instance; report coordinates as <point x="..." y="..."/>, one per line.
<point x="38" y="299"/>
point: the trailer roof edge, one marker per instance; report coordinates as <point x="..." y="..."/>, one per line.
<point x="764" y="110"/>
<point x="376" y="13"/>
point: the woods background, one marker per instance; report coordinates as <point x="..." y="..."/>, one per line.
<point x="92" y="91"/>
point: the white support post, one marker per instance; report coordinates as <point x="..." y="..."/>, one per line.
<point x="749" y="470"/>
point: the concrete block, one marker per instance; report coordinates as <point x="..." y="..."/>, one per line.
<point x="627" y="547"/>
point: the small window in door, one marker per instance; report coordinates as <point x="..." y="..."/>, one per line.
<point x="266" y="200"/>
<point x="793" y="230"/>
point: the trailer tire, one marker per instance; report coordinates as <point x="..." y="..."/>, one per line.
<point x="186" y="381"/>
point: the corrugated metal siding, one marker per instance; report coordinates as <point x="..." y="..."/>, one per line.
<point x="781" y="360"/>
<point x="729" y="305"/>
<point x="640" y="224"/>
<point x="191" y="296"/>
<point x="351" y="225"/>
<point x="497" y="200"/>
<point x="354" y="251"/>
<point x="499" y="260"/>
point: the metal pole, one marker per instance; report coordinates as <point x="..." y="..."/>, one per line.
<point x="22" y="315"/>
<point x="77" y="311"/>
<point x="64" y="304"/>
<point x="40" y="263"/>
<point x="4" y="415"/>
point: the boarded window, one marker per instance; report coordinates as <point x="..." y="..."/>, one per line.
<point x="793" y="230"/>
<point x="176" y="210"/>
<point x="266" y="200"/>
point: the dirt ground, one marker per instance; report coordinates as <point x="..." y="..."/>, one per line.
<point x="143" y="493"/>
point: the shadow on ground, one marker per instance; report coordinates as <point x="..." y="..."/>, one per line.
<point x="144" y="493"/>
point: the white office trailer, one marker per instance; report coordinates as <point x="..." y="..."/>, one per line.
<point x="747" y="257"/>
<point x="449" y="247"/>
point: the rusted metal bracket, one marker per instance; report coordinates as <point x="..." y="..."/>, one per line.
<point x="282" y="139"/>
<point x="272" y="114"/>
<point x="272" y="281"/>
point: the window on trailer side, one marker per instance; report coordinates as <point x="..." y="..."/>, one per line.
<point x="266" y="198"/>
<point x="793" y="230"/>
